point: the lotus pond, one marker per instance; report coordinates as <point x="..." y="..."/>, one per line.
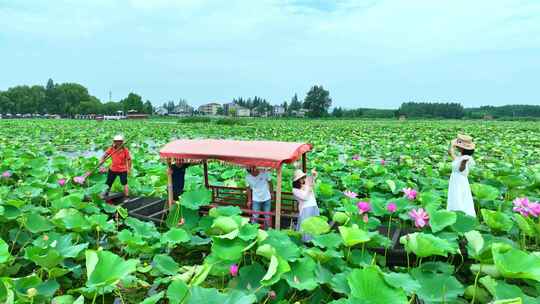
<point x="384" y="235"/>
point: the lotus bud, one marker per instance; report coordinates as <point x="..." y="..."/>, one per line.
<point x="233" y="270"/>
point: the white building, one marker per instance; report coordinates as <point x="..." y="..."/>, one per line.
<point x="234" y="109"/>
<point x="209" y="108"/>
<point x="278" y="110"/>
<point x="161" y="111"/>
<point x="300" y="113"/>
<point x="242" y="112"/>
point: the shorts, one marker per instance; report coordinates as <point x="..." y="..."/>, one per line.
<point x="111" y="177"/>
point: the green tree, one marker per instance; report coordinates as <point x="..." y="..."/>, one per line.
<point x="148" y="108"/>
<point x="220" y="111"/>
<point x="295" y="104"/>
<point x="132" y="102"/>
<point x="69" y="97"/>
<point x="317" y="101"/>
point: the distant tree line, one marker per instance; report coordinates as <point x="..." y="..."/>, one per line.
<point x="69" y="99"/>
<point x="504" y="112"/>
<point x="66" y="99"/>
<point x="431" y="110"/>
<point x="256" y="103"/>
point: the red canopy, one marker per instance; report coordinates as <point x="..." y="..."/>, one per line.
<point x="269" y="154"/>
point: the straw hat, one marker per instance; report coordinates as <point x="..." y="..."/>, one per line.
<point x="464" y="142"/>
<point x="118" y="138"/>
<point x="298" y="174"/>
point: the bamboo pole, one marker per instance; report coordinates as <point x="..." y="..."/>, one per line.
<point x="169" y="183"/>
<point x="278" y="199"/>
<point x="304" y="163"/>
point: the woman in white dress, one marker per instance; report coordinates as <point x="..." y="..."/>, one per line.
<point x="459" y="191"/>
<point x="305" y="196"/>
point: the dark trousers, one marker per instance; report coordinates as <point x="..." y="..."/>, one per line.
<point x="111" y="177"/>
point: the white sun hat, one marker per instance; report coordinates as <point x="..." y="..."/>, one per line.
<point x="298" y="174"/>
<point x="118" y="138"/>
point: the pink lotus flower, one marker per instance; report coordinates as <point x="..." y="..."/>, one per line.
<point x="79" y="179"/>
<point x="6" y="174"/>
<point x="356" y="157"/>
<point x="419" y="216"/>
<point x="62" y="182"/>
<point x="233" y="270"/>
<point x="523" y="206"/>
<point x="391" y="207"/>
<point x="535" y="209"/>
<point x="102" y="170"/>
<point x="272" y="294"/>
<point x="363" y="207"/>
<point x="350" y="194"/>
<point x="383" y="162"/>
<point x="410" y="193"/>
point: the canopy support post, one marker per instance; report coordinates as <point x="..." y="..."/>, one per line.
<point x="169" y="183"/>
<point x="205" y="166"/>
<point x="278" y="198"/>
<point x="304" y="163"/>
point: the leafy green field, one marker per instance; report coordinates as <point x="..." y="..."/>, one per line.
<point x="56" y="247"/>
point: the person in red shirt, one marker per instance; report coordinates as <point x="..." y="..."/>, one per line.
<point x="120" y="166"/>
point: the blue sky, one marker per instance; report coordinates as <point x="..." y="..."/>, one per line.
<point x="368" y="53"/>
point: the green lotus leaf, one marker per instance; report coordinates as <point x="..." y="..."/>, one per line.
<point x="500" y="290"/>
<point x="353" y="235"/>
<point x="249" y="279"/>
<point x="496" y="220"/>
<point x="441" y="219"/>
<point x="165" y="264"/>
<point x="154" y="298"/>
<point x="67" y="299"/>
<point x="368" y="285"/>
<point x="302" y="274"/>
<point x="475" y="243"/>
<point x="525" y="224"/>
<point x="225" y="224"/>
<point x="340" y="217"/>
<point x="177" y="292"/>
<point x="402" y="280"/>
<point x="36" y="223"/>
<point x="329" y="240"/>
<point x="71" y="219"/>
<point x="437" y="286"/>
<point x="316" y="225"/>
<point x="196" y="199"/>
<point x="176" y="236"/>
<point x="248" y="232"/>
<point x="144" y="229"/>
<point x="340" y="284"/>
<point x="104" y="269"/>
<point x="225" y="211"/>
<point x="277" y="267"/>
<point x="485" y="192"/>
<point x="230" y="250"/>
<point x="424" y="245"/>
<point x="46" y="258"/>
<point x="513" y="181"/>
<point x="282" y="243"/>
<point x="514" y="263"/>
<point x="325" y="190"/>
<point x="213" y="296"/>
<point x="4" y="251"/>
<point x="464" y="223"/>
